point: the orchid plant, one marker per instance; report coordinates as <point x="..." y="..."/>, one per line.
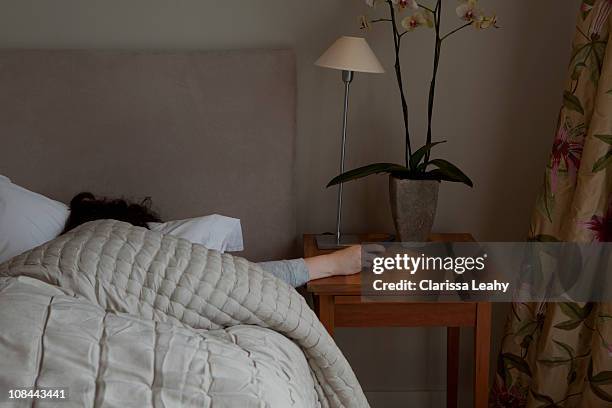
<point x="405" y="16"/>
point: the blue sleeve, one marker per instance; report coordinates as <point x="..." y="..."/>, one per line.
<point x="294" y="271"/>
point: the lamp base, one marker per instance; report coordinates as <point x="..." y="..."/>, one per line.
<point x="328" y="241"/>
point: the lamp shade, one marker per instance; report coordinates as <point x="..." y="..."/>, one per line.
<point x="351" y="54"/>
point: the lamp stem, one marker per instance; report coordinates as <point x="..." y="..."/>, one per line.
<point x="347" y="78"/>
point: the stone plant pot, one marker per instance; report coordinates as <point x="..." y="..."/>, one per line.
<point x="413" y="207"/>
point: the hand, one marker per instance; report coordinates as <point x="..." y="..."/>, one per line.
<point x="346" y="261"/>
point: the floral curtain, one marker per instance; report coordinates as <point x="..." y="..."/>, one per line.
<point x="560" y="354"/>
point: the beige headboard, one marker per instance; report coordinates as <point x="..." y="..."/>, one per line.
<point x="199" y="132"/>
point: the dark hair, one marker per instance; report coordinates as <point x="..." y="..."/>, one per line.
<point x="85" y="207"/>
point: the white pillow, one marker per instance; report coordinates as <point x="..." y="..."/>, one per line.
<point x="27" y="219"/>
<point x="213" y="231"/>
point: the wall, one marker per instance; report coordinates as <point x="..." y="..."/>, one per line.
<point x="498" y="96"/>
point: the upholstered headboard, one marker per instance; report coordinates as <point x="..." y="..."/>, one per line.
<point x="198" y="132"/>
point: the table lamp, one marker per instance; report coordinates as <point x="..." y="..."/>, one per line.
<point x="350" y="55"/>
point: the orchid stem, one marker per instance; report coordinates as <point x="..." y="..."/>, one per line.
<point x="378" y="20"/>
<point x="432" y="87"/>
<point x="455" y="30"/>
<point x="398" y="74"/>
<point x="426" y="8"/>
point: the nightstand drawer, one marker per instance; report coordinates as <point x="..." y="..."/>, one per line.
<point x="351" y="311"/>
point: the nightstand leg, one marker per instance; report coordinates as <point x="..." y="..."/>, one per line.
<point x="482" y="351"/>
<point x="452" y="366"/>
<point x="326" y="312"/>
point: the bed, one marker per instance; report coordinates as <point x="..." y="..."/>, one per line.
<point x="124" y="316"/>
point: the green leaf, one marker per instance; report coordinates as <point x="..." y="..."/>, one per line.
<point x="526" y="328"/>
<point x="603" y="378"/>
<point x="568" y="349"/>
<point x="605" y="138"/>
<point x="451" y="172"/>
<point x="601" y="394"/>
<point x="570" y="101"/>
<point x="586" y="310"/>
<point x="417" y="156"/>
<point x="578" y="70"/>
<point x="547" y="197"/>
<point x="603" y="162"/>
<point x="599" y="52"/>
<point x="366" y="171"/>
<point x="517" y="362"/>
<point x="576" y="312"/>
<point x="439" y="175"/>
<point x="435" y="175"/>
<point x="571" y="310"/>
<point x="555" y="361"/>
<point x="577" y="131"/>
<point x="568" y="325"/>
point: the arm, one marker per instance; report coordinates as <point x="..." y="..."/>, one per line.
<point x="346" y="261"/>
<point x="297" y="272"/>
<point x="294" y="271"/>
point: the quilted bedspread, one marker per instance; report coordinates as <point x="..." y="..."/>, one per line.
<point x="125" y="317"/>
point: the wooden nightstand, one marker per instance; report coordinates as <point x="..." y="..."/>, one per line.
<point x="338" y="304"/>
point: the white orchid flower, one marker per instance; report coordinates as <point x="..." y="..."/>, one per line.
<point x="468" y="10"/>
<point x="486" y="22"/>
<point x="418" y="19"/>
<point x="364" y="23"/>
<point x="411" y="4"/>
